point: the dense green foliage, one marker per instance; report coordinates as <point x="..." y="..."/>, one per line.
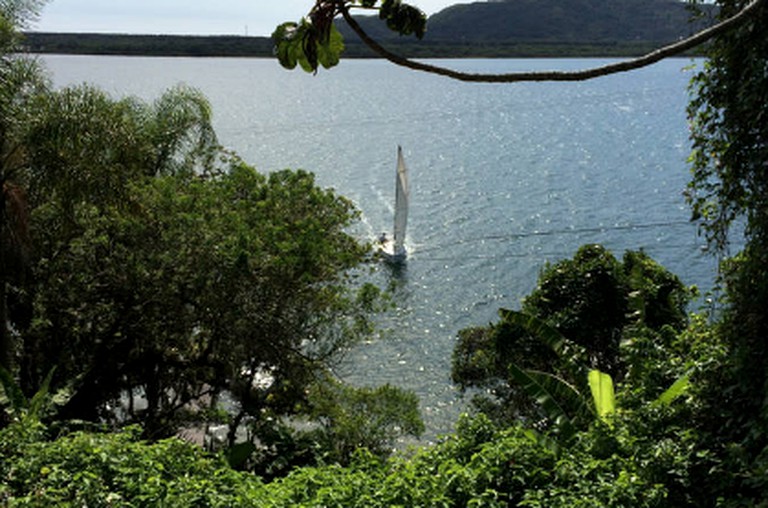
<point x="114" y="470"/>
<point x="21" y="81"/>
<point x="642" y="461"/>
<point x="368" y="418"/>
<point x="729" y="193"/>
<point x="598" y="304"/>
<point x="728" y="131"/>
<point x="341" y="421"/>
<point x="641" y="451"/>
<point x="146" y="273"/>
<point x="204" y="286"/>
<point x="16" y="14"/>
<point x="151" y="277"/>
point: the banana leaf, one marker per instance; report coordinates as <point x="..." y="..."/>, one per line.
<point x="554" y="395"/>
<point x="603" y="395"/>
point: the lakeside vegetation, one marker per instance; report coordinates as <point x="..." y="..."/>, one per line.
<point x="146" y="271"/>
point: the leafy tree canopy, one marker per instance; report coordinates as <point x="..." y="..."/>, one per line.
<point x="165" y="281"/>
<point x="15" y="15"/>
<point x="21" y="81"/>
<point x="315" y="40"/>
<point x="729" y="195"/>
<point x="596" y="302"/>
<point x="203" y="284"/>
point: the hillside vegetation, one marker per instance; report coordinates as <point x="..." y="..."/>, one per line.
<point x="578" y="21"/>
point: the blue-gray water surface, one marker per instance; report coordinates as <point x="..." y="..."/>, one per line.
<point x="504" y="178"/>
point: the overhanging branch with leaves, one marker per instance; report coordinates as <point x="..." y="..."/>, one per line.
<point x="316" y="42"/>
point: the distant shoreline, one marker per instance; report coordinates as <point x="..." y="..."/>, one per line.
<point x="261" y="47"/>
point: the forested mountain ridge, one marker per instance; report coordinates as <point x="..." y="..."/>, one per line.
<point x="501" y="28"/>
<point x="582" y="21"/>
<point x="553" y="21"/>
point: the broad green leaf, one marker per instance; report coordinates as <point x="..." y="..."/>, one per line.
<point x="540" y="386"/>
<point x="300" y="44"/>
<point x="40" y="396"/>
<point x="238" y="454"/>
<point x="673" y="392"/>
<point x="329" y="53"/>
<point x="12" y="391"/>
<point x="536" y="327"/>
<point x="287" y="44"/>
<point x="547" y="335"/>
<point x="601" y="386"/>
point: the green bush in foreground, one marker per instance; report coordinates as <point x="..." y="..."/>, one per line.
<point x="636" y="462"/>
<point x="85" y="469"/>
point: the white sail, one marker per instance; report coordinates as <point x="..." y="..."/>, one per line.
<point x="394" y="248"/>
<point x="401" y="204"/>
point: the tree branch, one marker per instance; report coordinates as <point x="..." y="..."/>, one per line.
<point x="581" y="75"/>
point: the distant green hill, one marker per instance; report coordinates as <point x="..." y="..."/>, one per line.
<point x="500" y="28"/>
<point x="579" y="21"/>
<point x="542" y="28"/>
<point x="150" y="45"/>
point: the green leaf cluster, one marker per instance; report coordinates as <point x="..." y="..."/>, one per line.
<point x="566" y="407"/>
<point x="339" y="421"/>
<point x="315" y="41"/>
<point x="371" y="418"/>
<point x="403" y="18"/>
<point x="479" y="465"/>
<point x="648" y="429"/>
<point x="15" y="15"/>
<point x="302" y="44"/>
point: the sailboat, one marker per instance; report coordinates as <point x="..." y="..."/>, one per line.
<point x="394" y="248"/>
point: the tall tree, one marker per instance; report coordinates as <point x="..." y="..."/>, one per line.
<point x="202" y="284"/>
<point x="167" y="271"/>
<point x="596" y="303"/>
<point x="77" y="146"/>
<point x="16" y="15"/>
<point x="729" y="194"/>
<point x="21" y="79"/>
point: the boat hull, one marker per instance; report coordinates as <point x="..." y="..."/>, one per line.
<point x="391" y="254"/>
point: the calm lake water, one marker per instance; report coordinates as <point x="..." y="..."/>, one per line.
<point x="504" y="178"/>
